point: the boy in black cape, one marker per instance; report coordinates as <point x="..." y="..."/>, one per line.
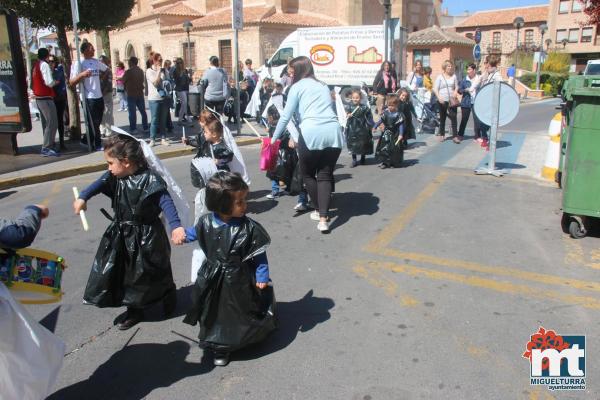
<point x="359" y="135"/>
<point x="232" y="300"/>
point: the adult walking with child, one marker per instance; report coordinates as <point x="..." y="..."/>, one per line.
<point x="320" y="140"/>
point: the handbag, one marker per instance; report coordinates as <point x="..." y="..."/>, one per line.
<point x="269" y="153"/>
<point x="454" y="102"/>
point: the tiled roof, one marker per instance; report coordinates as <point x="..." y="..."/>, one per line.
<point x="178" y="9"/>
<point x="505" y="16"/>
<point x="256" y="15"/>
<point x="437" y="36"/>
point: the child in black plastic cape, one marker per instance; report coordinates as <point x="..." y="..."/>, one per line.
<point x="359" y="126"/>
<point x="390" y="148"/>
<point x="132" y="266"/>
<point x="407" y="109"/>
<point x="210" y="141"/>
<point x="232" y="300"/>
<point x="287" y="160"/>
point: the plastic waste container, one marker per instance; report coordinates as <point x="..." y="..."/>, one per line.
<point x="195" y="100"/>
<point x="581" y="162"/>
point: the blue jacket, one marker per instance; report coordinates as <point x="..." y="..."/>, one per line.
<point x="20" y="232"/>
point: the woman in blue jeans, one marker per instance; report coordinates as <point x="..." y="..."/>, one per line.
<point x="320" y="141"/>
<point x="158" y="107"/>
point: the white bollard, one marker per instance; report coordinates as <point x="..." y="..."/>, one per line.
<point x="553" y="153"/>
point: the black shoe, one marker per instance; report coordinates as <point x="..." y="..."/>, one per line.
<point x="134" y="316"/>
<point x="362" y="160"/>
<point x="170" y="303"/>
<point x="221" y="359"/>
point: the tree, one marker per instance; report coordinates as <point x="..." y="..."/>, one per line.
<point x="592" y="9"/>
<point x="93" y="15"/>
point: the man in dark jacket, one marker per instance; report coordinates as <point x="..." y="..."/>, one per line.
<point x="20" y="232"/>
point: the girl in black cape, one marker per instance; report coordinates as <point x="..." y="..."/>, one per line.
<point x="232" y="300"/>
<point x="390" y="148"/>
<point x="132" y="266"/>
<point x="359" y="135"/>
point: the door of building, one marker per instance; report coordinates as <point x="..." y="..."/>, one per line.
<point x="225" y="55"/>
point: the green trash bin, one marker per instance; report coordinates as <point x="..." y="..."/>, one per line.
<point x="581" y="163"/>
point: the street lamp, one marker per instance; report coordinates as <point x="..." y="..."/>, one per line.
<point x="518" y="23"/>
<point x="387" y="4"/>
<point x="564" y="42"/>
<point x="543" y="28"/>
<point x="548" y="43"/>
<point x="187" y="27"/>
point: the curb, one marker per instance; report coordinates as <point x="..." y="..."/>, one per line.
<point x="99" y="166"/>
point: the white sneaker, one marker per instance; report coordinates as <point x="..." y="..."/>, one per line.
<point x="165" y="142"/>
<point x="323" y="226"/>
<point x="152" y="143"/>
<point x="300" y="207"/>
<point x="315" y="216"/>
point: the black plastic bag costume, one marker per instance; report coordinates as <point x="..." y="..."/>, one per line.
<point x="219" y="151"/>
<point x="231" y="310"/>
<point x="390" y="150"/>
<point x="408" y="111"/>
<point x="132" y="266"/>
<point x="359" y="136"/>
<point x="287" y="159"/>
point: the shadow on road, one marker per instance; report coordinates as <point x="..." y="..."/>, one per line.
<point x="353" y="204"/>
<point x="135" y="371"/>
<point x="7" y="193"/>
<point x="294" y="316"/>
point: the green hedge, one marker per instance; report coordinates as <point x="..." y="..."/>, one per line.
<point x="550" y="82"/>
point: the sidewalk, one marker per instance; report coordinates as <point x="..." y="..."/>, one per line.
<point x="30" y="167"/>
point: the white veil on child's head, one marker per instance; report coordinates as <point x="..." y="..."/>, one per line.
<point x="183" y="208"/>
<point x="236" y="165"/>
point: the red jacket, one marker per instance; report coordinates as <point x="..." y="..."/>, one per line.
<point x="37" y="83"/>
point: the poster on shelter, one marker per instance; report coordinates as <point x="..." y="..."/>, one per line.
<point x="9" y="97"/>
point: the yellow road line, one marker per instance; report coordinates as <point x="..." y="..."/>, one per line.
<point x="390" y="287"/>
<point x="494" y="270"/>
<point x="397" y="225"/>
<point x="499" y="286"/>
<point x="56" y="187"/>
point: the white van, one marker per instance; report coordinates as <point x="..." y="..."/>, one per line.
<point x="592" y="67"/>
<point x="346" y="56"/>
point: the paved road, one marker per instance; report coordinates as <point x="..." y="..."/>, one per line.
<point x="429" y="286"/>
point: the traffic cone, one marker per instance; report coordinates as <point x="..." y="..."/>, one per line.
<point x="553" y="153"/>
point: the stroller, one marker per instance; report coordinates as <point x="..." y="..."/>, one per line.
<point x="426" y="110"/>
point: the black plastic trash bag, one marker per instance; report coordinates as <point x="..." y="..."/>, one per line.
<point x="132" y="266"/>
<point x="359" y="137"/>
<point x="390" y="149"/>
<point x="287" y="159"/>
<point x="231" y="311"/>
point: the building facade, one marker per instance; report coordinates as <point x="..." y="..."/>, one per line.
<point x="569" y="32"/>
<point x="157" y="25"/>
<point x="499" y="36"/>
<point x="432" y="46"/>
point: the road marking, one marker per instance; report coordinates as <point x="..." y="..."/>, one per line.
<point x="379" y="245"/>
<point x="493" y="270"/>
<point x="390" y="287"/>
<point x="491" y="284"/>
<point x="575" y="255"/>
<point x="388" y="233"/>
<point x="56" y="187"/>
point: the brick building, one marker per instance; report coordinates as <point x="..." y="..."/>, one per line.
<point x="569" y="32"/>
<point x="499" y="36"/>
<point x="434" y="45"/>
<point x="158" y="25"/>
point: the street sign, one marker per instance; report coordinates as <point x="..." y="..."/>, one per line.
<point x="237" y="14"/>
<point x="75" y="11"/>
<point x="477" y="35"/>
<point x="477" y="52"/>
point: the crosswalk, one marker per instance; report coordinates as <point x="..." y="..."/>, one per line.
<point x="519" y="153"/>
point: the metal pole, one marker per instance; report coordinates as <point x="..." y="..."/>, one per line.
<point x="86" y="115"/>
<point x="517" y="54"/>
<point x="237" y="82"/>
<point x="539" y="64"/>
<point x="189" y="51"/>
<point x="386" y="31"/>
<point x="494" y="126"/>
